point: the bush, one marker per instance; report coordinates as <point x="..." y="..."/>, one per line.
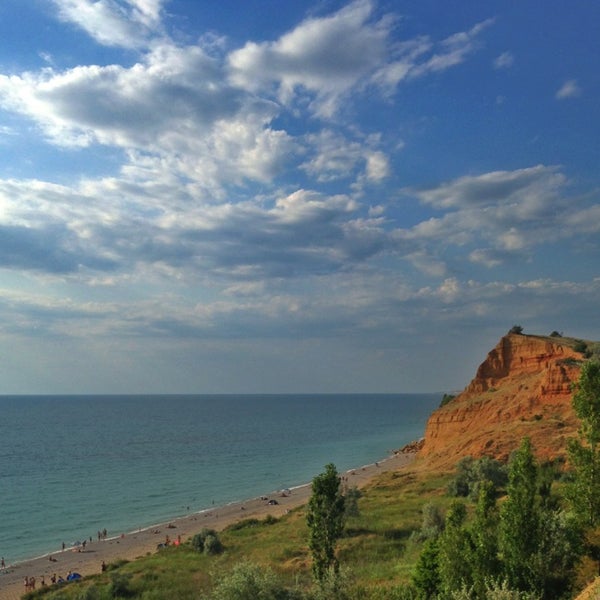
<point x="432" y="524"/>
<point x="207" y="541"/>
<point x="212" y="545"/>
<point x="516" y="329"/>
<point x="248" y="581"/>
<point x="446" y="398"/>
<point x="470" y="473"/>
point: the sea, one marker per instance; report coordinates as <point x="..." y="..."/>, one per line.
<point x="71" y="466"/>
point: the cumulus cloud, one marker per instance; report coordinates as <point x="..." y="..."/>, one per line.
<point x="504" y="60"/>
<point x="124" y="23"/>
<point x="500" y="216"/>
<point x="315" y="57"/>
<point x="569" y="89"/>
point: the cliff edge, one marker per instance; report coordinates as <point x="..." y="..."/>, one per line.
<point x="523" y="388"/>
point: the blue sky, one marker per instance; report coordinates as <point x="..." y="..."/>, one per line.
<point x="291" y="196"/>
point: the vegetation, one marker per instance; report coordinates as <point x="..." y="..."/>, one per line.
<point x="471" y="473"/>
<point x="446" y="398"/>
<point x="529" y="546"/>
<point x="325" y="519"/>
<point x="584" y="452"/>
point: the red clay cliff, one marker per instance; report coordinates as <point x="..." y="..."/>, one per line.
<point x="523" y="388"/>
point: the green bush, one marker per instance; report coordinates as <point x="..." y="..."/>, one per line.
<point x="248" y="581"/>
<point x="446" y="398"/>
<point x="207" y="541"/>
<point x="470" y="473"/>
<point x="212" y="545"/>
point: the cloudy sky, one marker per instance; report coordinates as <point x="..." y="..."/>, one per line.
<point x="299" y="196"/>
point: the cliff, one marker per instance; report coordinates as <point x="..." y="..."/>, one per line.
<point x="523" y="388"/>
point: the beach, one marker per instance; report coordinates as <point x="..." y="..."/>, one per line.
<point x="135" y="544"/>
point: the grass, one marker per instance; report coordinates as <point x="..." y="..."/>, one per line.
<point x="376" y="550"/>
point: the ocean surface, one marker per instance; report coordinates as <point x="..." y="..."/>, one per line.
<point x="73" y="465"/>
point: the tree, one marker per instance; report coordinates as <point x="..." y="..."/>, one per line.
<point x="325" y="518"/>
<point x="584" y="453"/>
<point x="455" y="551"/>
<point x="426" y="576"/>
<point x="484" y="533"/>
<point x="539" y="544"/>
<point x="519" y="518"/>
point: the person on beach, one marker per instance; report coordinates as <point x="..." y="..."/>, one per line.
<point x="2" y="564"/>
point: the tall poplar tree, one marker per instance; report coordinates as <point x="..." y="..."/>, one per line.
<point x="325" y="518"/>
<point x="519" y="519"/>
<point x="584" y="453"/>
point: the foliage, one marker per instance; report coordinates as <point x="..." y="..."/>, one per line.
<point x="455" y="550"/>
<point x="207" y="541"/>
<point x="447" y="398"/>
<point x="556" y="334"/>
<point x="250" y="582"/>
<point x="519" y="518"/>
<point x="471" y="473"/>
<point x="325" y="519"/>
<point x="539" y="543"/>
<point x="426" y="576"/>
<point x="530" y="544"/>
<point x="433" y="523"/>
<point x="494" y="590"/>
<point x="584" y="453"/>
<point x="485" y="561"/>
<point x="516" y="329"/>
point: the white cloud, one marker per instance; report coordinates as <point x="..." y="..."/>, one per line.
<point x="569" y="89"/>
<point x="125" y="23"/>
<point x="315" y="58"/>
<point x="504" y="60"/>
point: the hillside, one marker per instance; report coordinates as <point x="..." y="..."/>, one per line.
<point x="523" y="387"/>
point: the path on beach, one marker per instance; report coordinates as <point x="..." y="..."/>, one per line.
<point x="138" y="543"/>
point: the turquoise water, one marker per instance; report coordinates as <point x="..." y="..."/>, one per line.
<point x="70" y="466"/>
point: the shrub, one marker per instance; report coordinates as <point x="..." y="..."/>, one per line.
<point x="446" y="398"/>
<point x="212" y="545"/>
<point x="207" y="541"/>
<point x="432" y="524"/>
<point x="516" y="329"/>
<point x="248" y="581"/>
<point x="470" y="473"/>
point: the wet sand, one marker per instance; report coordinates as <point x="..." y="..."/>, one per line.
<point x="135" y="544"/>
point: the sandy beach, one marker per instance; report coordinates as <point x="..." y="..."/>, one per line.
<point x="135" y="544"/>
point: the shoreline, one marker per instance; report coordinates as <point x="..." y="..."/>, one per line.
<point x="139" y="542"/>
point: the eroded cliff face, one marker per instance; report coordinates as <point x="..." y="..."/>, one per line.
<point x="523" y="388"/>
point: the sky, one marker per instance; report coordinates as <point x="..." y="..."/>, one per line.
<point x="303" y="196"/>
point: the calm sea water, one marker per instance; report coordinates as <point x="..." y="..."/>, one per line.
<point x="70" y="466"/>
